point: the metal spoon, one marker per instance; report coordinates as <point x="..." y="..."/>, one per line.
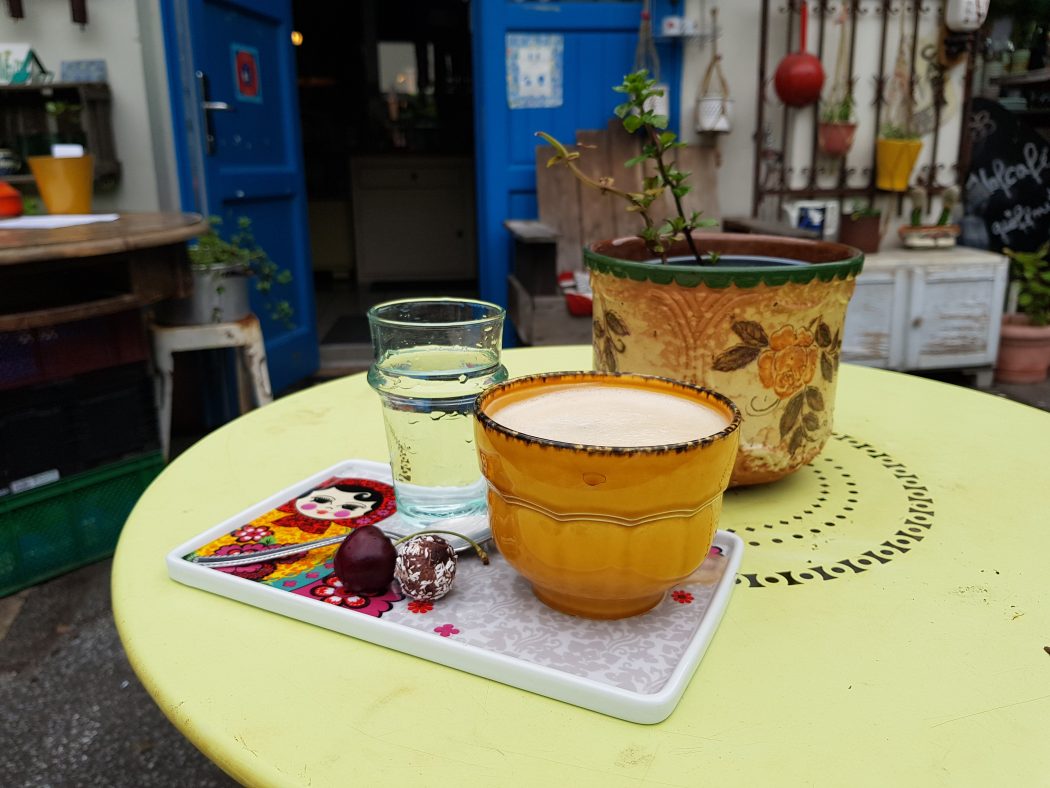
<point x="281" y="551"/>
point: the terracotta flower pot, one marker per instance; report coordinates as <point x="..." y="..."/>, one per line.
<point x="1024" y="351"/>
<point x="894" y="161"/>
<point x="763" y="326"/>
<point x="862" y="232"/>
<point x="836" y="139"/>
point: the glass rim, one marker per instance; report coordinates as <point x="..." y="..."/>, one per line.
<point x="375" y="318"/>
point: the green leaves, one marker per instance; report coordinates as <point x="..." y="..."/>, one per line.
<point x="637" y="115"/>
<point x="1032" y="272"/>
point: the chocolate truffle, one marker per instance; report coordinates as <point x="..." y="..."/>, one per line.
<point x="425" y="567"/>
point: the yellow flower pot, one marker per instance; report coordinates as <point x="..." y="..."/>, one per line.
<point x="65" y="183"/>
<point x="894" y="161"/>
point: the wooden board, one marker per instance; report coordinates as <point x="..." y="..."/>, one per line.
<point x="558" y="198"/>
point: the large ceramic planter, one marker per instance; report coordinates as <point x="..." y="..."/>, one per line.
<point x="894" y="161"/>
<point x="763" y="327"/>
<point x="1024" y="351"/>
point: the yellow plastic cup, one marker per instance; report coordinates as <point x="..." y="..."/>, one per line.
<point x="65" y="184"/>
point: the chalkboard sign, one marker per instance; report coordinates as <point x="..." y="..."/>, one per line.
<point x="1008" y="187"/>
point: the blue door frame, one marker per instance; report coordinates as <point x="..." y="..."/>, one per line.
<point x="599" y="45"/>
<point x="254" y="168"/>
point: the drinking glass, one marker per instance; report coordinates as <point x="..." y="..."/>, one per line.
<point x="433" y="356"/>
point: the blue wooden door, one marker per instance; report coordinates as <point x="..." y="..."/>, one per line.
<point x="597" y="47"/>
<point x="232" y="71"/>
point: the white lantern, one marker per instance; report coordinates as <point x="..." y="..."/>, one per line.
<point x="965" y="16"/>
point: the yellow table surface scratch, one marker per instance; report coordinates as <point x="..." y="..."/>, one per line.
<point x="887" y="628"/>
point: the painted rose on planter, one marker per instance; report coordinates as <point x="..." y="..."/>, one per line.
<point x="789" y="363"/>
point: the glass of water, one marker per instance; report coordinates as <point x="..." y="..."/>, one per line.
<point x="433" y="356"/>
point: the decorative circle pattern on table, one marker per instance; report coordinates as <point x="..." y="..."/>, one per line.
<point x="863" y="510"/>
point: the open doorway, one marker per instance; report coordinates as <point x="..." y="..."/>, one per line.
<point x="386" y="103"/>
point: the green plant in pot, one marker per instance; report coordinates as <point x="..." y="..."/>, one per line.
<point x="862" y="227"/>
<point x="222" y="269"/>
<point x="919" y="234"/>
<point x="837" y="127"/>
<point x="757" y="318"/>
<point x="1024" y="342"/>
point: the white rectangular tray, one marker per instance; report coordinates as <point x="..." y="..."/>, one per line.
<point x="490" y="624"/>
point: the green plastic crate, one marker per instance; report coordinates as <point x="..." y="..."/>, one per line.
<point x="70" y="523"/>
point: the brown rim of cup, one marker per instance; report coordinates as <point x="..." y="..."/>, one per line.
<point x="489" y="423"/>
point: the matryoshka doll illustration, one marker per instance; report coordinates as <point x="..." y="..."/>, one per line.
<point x="347" y="502"/>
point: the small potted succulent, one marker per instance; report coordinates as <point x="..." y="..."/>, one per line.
<point x="837" y="127"/>
<point x="896" y="151"/>
<point x="757" y="318"/>
<point x="920" y="235"/>
<point x="1024" y="342"/>
<point x="861" y="228"/>
<point x="221" y="271"/>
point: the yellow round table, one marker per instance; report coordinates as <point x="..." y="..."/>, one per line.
<point x="887" y="627"/>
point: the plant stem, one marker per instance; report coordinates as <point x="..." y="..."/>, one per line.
<point x="668" y="185"/>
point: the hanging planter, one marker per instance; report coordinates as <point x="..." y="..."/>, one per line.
<point x="837" y="127"/>
<point x="898" y="146"/>
<point x="835" y="138"/>
<point x="713" y="106"/>
<point x="895" y="159"/>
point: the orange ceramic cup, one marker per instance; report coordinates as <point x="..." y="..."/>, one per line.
<point x="64" y="183"/>
<point x="599" y="531"/>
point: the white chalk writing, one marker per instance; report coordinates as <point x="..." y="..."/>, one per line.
<point x="1003" y="177"/>
<point x="1022" y="218"/>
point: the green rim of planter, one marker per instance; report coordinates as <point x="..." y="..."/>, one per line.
<point x="721" y="276"/>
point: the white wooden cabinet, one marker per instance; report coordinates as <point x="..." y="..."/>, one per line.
<point x="935" y="309"/>
<point x="413" y="218"/>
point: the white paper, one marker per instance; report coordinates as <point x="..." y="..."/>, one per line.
<point x="67" y="151"/>
<point x="54" y="222"/>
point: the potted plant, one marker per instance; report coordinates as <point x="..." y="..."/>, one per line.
<point x="64" y="178"/>
<point x="896" y="151"/>
<point x="1024" y="342"/>
<point x="920" y="235"/>
<point x="757" y="318"/>
<point x="837" y="127"/>
<point x="221" y="270"/>
<point x="861" y="228"/>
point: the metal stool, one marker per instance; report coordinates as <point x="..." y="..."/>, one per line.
<point x="244" y="334"/>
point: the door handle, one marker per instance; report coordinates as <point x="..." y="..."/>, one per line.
<point x="208" y="106"/>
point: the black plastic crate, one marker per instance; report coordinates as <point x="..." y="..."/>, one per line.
<point x="68" y="426"/>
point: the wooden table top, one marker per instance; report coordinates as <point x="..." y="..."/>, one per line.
<point x="131" y="231"/>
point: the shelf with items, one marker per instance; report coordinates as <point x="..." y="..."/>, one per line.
<point x="80" y="114"/>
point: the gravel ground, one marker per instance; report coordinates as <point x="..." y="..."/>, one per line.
<point x="72" y="712"/>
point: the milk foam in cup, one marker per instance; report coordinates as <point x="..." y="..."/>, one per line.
<point x="604" y="489"/>
<point x="597" y="415"/>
